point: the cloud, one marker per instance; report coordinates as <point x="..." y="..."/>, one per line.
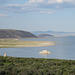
<point x="51" y="1"/>
<point x="39" y="6"/>
<point x="45" y="1"/>
<point x="3" y="15"/>
<point x="48" y="12"/>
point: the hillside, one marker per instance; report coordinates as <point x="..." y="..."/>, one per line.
<point x="54" y="33"/>
<point x="9" y="33"/>
<point x="45" y="35"/>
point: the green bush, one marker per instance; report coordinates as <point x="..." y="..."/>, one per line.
<point x="34" y="66"/>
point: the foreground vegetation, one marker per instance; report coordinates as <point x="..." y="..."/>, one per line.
<point x="34" y="66"/>
<point x="4" y="43"/>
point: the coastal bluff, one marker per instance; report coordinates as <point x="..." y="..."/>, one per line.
<point x="11" y="33"/>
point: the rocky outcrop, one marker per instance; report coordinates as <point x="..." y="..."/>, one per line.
<point x="44" y="52"/>
<point x="45" y="35"/>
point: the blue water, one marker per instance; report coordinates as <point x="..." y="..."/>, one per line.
<point x="63" y="50"/>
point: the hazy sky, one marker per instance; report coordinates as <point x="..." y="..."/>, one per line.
<point x="33" y="15"/>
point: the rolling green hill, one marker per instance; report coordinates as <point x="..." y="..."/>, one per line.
<point x="10" y="33"/>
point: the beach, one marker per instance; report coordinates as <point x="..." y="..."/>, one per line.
<point x="6" y="43"/>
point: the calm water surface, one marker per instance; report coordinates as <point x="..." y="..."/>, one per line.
<point x="63" y="50"/>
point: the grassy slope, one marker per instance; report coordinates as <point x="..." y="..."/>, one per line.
<point x="33" y="66"/>
<point x="19" y="43"/>
<point x="10" y="33"/>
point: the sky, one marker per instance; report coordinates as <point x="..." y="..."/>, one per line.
<point x="38" y="15"/>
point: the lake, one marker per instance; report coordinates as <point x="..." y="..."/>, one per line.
<point x="63" y="50"/>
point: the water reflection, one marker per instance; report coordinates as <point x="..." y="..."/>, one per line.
<point x="44" y="55"/>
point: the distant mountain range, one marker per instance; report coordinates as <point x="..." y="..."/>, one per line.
<point x="54" y="33"/>
<point x="9" y="33"/>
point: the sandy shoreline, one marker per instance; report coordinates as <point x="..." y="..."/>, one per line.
<point x="8" y="43"/>
<point x="36" y="44"/>
<point x="44" y="44"/>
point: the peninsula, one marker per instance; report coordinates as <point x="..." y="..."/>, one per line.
<point x="5" y="43"/>
<point x="10" y="38"/>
